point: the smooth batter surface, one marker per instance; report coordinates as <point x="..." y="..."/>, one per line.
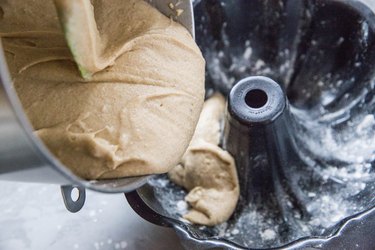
<point x="207" y="171"/>
<point x="135" y="117"/>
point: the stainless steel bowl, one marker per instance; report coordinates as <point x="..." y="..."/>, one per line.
<point x="24" y="157"/>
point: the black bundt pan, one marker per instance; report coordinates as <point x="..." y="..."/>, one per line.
<point x="306" y="170"/>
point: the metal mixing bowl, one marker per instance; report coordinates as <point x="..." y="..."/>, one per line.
<point x="23" y="157"/>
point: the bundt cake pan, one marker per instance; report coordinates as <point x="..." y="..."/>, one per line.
<point x="299" y="77"/>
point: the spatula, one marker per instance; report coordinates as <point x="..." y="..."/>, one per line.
<point x="83" y="38"/>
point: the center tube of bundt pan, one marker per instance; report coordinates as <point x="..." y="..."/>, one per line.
<point x="257" y="134"/>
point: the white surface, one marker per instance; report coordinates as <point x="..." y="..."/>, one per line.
<point x="33" y="216"/>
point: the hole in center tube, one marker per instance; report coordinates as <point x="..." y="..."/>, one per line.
<point x="74" y="195"/>
<point x="256" y="98"/>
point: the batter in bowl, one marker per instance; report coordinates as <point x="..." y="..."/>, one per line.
<point x="134" y="116"/>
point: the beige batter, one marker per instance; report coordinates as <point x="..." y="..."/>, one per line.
<point x="134" y="117"/>
<point x="207" y="171"/>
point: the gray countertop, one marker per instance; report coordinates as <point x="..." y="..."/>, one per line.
<point x="33" y="216"/>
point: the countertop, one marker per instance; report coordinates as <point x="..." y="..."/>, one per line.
<point x="33" y="216"/>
